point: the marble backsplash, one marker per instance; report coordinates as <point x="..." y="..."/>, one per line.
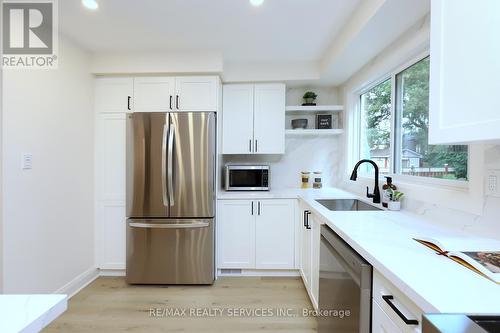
<point x="305" y="153"/>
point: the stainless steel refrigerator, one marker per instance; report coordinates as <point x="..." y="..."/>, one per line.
<point x="170" y="197"/>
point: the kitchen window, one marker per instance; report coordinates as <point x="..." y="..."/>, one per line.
<point x="395" y="128"/>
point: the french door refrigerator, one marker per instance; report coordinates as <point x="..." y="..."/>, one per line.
<point x="170" y="197"/>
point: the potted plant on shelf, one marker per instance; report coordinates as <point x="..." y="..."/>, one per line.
<point x="309" y="98"/>
<point x="395" y="200"/>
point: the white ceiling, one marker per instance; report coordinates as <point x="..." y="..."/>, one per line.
<point x="323" y="42"/>
<point x="279" y="30"/>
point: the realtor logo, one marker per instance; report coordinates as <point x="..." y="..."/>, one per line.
<point x="29" y="38"/>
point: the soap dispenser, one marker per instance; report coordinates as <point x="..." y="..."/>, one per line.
<point x="387" y="190"/>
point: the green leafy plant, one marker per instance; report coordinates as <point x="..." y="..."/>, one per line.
<point x="310" y="95"/>
<point x="396" y="195"/>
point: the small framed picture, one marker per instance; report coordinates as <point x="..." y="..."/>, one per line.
<point x="324" y="121"/>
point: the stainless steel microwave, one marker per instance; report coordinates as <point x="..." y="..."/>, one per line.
<point x="247" y="177"/>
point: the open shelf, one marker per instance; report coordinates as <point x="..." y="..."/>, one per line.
<point x="299" y="132"/>
<point x="315" y="108"/>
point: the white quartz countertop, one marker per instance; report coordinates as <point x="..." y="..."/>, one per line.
<point x="385" y="239"/>
<point x="284" y="193"/>
<point x="29" y="313"/>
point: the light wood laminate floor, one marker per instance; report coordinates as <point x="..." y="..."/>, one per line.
<point x="110" y="305"/>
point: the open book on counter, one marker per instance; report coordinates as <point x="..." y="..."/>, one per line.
<point x="480" y="255"/>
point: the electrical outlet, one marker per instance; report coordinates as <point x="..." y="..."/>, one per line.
<point x="27" y="161"/>
<point x="492" y="186"/>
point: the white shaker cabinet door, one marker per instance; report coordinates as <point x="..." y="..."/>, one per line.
<point x="196" y="93"/>
<point x="464" y="57"/>
<point x="154" y="94"/>
<point x="305" y="249"/>
<point x="275" y="234"/>
<point x="315" y="248"/>
<point x="236" y="234"/>
<point x="114" y="95"/>
<point x="237" y="119"/>
<point x="269" y="118"/>
<point x="110" y="190"/>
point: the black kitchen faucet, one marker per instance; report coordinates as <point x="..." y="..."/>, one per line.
<point x="376" y="191"/>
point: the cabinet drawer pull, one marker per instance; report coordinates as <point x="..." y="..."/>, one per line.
<point x="388" y="299"/>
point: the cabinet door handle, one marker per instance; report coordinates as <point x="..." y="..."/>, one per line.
<point x="128" y="102"/>
<point x="388" y="299"/>
<point x="250" y="145"/>
<point x="177" y="102"/>
<point x="258" y="208"/>
<point x="170" y="102"/>
<point x="256" y="145"/>
<point x="306" y="219"/>
<point x="252" y="207"/>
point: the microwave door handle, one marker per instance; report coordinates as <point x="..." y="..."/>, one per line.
<point x="170" y="168"/>
<point x="164" y="165"/>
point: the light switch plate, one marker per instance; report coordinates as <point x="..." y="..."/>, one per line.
<point x="493" y="182"/>
<point x="27" y="161"/>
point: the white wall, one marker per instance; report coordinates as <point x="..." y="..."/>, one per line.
<point x="48" y="239"/>
<point x="153" y="63"/>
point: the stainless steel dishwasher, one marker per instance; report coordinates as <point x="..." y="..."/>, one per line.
<point x="345" y="287"/>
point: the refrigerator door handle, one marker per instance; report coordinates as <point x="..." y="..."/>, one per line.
<point x="164" y="165"/>
<point x="170" y="169"/>
<point x="169" y="226"/>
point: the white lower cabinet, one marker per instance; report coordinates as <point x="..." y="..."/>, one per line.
<point x="236" y="234"/>
<point x="310" y="233"/>
<point x="392" y="310"/>
<point x="256" y="234"/>
<point x="275" y="234"/>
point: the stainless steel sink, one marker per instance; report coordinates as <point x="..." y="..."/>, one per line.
<point x="346" y="204"/>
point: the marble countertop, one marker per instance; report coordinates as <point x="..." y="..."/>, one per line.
<point x="385" y="239"/>
<point x="29" y="313"/>
<point x="284" y="193"/>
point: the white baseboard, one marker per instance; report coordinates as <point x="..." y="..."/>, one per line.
<point x="261" y="272"/>
<point x="78" y="283"/>
<point x="111" y="272"/>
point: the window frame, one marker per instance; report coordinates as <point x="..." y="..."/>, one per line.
<point x="392" y="75"/>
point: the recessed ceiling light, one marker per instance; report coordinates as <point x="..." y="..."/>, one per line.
<point x="256" y="3"/>
<point x="90" y="4"/>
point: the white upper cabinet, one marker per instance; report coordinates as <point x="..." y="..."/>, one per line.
<point x="114" y="95"/>
<point x="269" y="119"/>
<point x="237" y="120"/>
<point x="196" y="93"/>
<point x="253" y="119"/>
<point x="182" y="93"/>
<point x="465" y="67"/>
<point x="154" y="94"/>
